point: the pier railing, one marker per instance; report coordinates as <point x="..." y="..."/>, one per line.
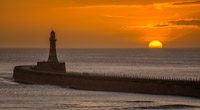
<point x="140" y="77"/>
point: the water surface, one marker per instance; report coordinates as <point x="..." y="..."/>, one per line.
<point x="179" y="63"/>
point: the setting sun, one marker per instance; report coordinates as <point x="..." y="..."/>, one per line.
<point x="155" y="44"/>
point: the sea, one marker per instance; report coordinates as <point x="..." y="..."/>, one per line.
<point x="170" y="63"/>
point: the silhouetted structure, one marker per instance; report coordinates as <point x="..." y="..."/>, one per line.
<point x="52" y="65"/>
<point x="52" y="51"/>
<point x="53" y="72"/>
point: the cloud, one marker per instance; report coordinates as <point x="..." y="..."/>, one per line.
<point x="147" y="26"/>
<point x="187" y="3"/>
<point x="182" y="23"/>
<point x="178" y="24"/>
<point x="113" y="16"/>
<point x="107" y="6"/>
<point x="161" y="25"/>
<point x="121" y="3"/>
<point x="161" y="6"/>
<point x="194" y="22"/>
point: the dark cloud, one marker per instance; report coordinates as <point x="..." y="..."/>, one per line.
<point x="187" y="3"/>
<point x="192" y="22"/>
<point x="161" y="25"/>
<point x="186" y="22"/>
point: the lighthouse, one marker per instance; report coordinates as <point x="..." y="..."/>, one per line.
<point x="52" y="64"/>
<point x="52" y="51"/>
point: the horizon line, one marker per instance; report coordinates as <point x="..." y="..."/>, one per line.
<point x="108" y="48"/>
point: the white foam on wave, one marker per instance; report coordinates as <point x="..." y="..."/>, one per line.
<point x="7" y="81"/>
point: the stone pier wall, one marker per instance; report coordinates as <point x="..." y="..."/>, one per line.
<point x="26" y="74"/>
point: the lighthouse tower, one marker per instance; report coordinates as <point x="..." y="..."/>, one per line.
<point x="52" y="64"/>
<point x="52" y="51"/>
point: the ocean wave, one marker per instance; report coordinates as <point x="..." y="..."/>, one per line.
<point x="174" y="106"/>
<point x="6" y="78"/>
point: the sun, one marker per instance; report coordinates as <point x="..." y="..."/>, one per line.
<point x="155" y="44"/>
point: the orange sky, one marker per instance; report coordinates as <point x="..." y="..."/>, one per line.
<point x="100" y="23"/>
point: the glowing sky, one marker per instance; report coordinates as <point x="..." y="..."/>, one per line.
<point x="100" y="23"/>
